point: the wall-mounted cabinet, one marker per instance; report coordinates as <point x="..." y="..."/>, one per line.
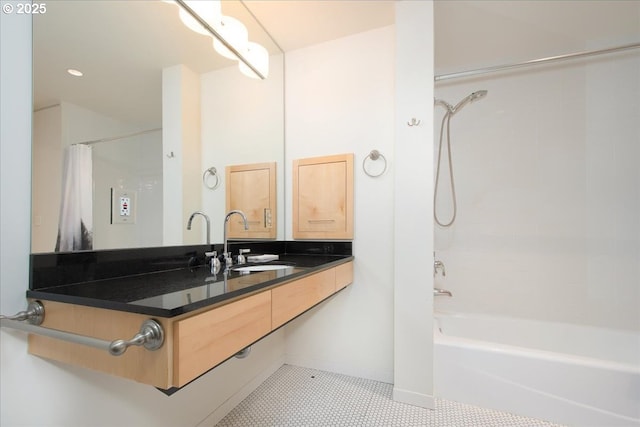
<point x="252" y="189"/>
<point x="323" y="197"/>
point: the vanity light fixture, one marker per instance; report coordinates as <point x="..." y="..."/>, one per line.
<point x="74" y="72"/>
<point x="230" y="35"/>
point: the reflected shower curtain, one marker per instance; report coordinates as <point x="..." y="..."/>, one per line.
<point x="75" y="228"/>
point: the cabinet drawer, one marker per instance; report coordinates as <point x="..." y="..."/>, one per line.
<point x="344" y="275"/>
<point x="203" y="341"/>
<point x="294" y="298"/>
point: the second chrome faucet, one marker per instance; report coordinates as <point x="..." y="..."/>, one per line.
<point x="228" y="261"/>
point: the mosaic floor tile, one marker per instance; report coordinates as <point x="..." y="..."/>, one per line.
<point x="301" y="397"/>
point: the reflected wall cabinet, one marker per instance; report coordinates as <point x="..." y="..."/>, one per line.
<point x="252" y="189"/>
<point x="323" y="197"/>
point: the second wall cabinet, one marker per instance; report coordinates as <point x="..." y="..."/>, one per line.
<point x="323" y="197"/>
<point x="252" y="189"/>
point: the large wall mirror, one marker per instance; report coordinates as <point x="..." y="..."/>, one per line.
<point x="158" y="107"/>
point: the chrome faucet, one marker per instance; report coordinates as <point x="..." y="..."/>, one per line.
<point x="208" y="224"/>
<point x="438" y="265"/>
<point x="228" y="261"/>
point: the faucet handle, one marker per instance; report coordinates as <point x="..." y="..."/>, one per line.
<point x="241" y="258"/>
<point x="438" y="265"/>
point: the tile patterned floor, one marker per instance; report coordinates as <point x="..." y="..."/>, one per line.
<point x="301" y="397"/>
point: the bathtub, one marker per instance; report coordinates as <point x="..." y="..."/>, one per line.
<point x="567" y="374"/>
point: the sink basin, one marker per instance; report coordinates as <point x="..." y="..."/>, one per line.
<point x="271" y="267"/>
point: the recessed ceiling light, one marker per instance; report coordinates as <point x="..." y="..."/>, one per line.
<point x="74" y="72"/>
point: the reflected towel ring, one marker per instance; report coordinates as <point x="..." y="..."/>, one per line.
<point x="374" y="155"/>
<point x="210" y="172"/>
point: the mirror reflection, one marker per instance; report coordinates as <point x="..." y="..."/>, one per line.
<point x="156" y="107"/>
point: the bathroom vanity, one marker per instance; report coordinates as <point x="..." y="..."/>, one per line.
<point x="206" y="318"/>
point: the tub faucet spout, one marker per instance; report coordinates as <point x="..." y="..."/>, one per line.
<point x="441" y="292"/>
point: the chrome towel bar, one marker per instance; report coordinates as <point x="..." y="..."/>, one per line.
<point x="151" y="334"/>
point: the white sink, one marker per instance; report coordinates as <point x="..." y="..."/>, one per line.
<point x="270" y="267"/>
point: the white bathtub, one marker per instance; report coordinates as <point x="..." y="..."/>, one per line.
<point x="568" y="374"/>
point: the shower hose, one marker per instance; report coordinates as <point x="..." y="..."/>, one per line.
<point x="446" y="119"/>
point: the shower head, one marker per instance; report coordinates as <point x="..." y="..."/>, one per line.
<point x="471" y="98"/>
<point x="445" y="104"/>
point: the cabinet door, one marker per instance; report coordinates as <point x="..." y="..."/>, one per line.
<point x="252" y="189"/>
<point x="207" y="339"/>
<point x="295" y="298"/>
<point x="323" y="197"/>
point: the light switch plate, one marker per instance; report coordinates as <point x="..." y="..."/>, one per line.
<point x="123" y="206"/>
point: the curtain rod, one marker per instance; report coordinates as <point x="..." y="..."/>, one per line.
<point x="539" y="61"/>
<point x="115" y="138"/>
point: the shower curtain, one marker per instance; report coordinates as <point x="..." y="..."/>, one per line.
<point x="75" y="228"/>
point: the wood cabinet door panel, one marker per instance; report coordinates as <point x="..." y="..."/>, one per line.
<point x="207" y="339"/>
<point x="323" y="197"/>
<point x="252" y="189"/>
<point x="296" y="297"/>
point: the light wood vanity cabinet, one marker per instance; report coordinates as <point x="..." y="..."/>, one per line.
<point x="251" y="188"/>
<point x="194" y="342"/>
<point x="323" y="197"/>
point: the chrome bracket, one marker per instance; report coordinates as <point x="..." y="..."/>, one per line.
<point x="151" y="336"/>
<point x="34" y="314"/>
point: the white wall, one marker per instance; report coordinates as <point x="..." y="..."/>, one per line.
<point x="132" y="164"/>
<point x="181" y="154"/>
<point x="47" y="178"/>
<point x="547" y="179"/>
<point x="340" y="99"/>
<point x="413" y="255"/>
<point x="242" y="122"/>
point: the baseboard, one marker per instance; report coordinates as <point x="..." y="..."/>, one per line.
<point x="413" y="398"/>
<point x="221" y="411"/>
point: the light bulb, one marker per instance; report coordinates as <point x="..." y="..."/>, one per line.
<point x="258" y="56"/>
<point x="210" y="11"/>
<point x="235" y="33"/>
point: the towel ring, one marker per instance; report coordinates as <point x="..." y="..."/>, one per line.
<point x="210" y="172"/>
<point x="374" y="155"/>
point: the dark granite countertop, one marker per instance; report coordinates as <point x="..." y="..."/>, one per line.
<point x="173" y="292"/>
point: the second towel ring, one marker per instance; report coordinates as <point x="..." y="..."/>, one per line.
<point x="210" y="172"/>
<point x="374" y="155"/>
